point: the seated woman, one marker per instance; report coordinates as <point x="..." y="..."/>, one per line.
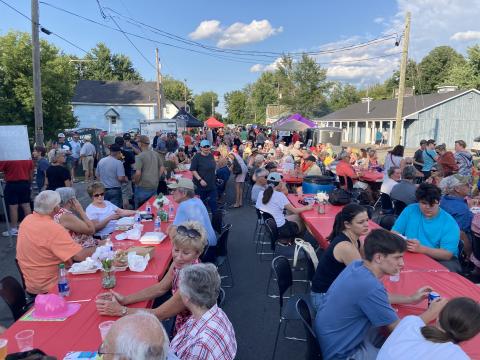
<point x="182" y="156"/>
<point x="413" y="338"/>
<point x="102" y="212"/>
<point x="199" y="289"/>
<point x="273" y="201"/>
<point x="171" y="164"/>
<point x="373" y="158"/>
<point x="188" y="243"/>
<point x="80" y="227"/>
<point x="260" y="178"/>
<point x="350" y="224"/>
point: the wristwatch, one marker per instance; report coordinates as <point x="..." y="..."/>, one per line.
<point x="124" y="311"/>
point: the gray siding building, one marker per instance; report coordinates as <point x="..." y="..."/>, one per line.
<point x="444" y="116"/>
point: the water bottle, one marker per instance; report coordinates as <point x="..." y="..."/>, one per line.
<point x="108" y="243"/>
<point x="149" y="208"/>
<point x="171" y="211"/>
<point x="157" y="224"/>
<point x="138" y="218"/>
<point x="63" y="286"/>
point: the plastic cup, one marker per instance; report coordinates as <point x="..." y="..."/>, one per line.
<point x="25" y="340"/>
<point x="3" y="348"/>
<point x="104" y="328"/>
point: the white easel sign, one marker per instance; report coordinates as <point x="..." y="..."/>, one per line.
<point x="14" y="143"/>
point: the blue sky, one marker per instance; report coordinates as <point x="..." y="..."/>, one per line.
<point x="261" y="25"/>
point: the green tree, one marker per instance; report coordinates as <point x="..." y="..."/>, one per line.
<point x="101" y="64"/>
<point x="174" y="89"/>
<point x="236" y="106"/>
<point x="411" y="79"/>
<point x="376" y="92"/>
<point x="16" y="84"/>
<point x="203" y="105"/>
<point x="466" y="75"/>
<point x="263" y="92"/>
<point x="342" y="95"/>
<point x="434" y="67"/>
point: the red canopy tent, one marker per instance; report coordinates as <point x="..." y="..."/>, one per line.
<point x="213" y="123"/>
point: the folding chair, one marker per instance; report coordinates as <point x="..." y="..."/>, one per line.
<point x="222" y="254"/>
<point x="313" y="348"/>
<point x="14" y="296"/>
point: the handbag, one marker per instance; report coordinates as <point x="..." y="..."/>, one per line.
<point x="308" y="248"/>
<point x="237" y="169"/>
<point x="339" y="197"/>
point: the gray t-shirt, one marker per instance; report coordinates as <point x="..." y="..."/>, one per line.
<point x="108" y="171"/>
<point x="149" y="163"/>
<point x="355" y="303"/>
<point x="256" y="189"/>
<point x="404" y="191"/>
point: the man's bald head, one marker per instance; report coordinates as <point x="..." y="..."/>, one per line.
<point x="138" y="336"/>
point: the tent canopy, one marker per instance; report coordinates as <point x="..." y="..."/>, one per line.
<point x="213" y="123"/>
<point x="295" y="122"/>
<point x="190" y="120"/>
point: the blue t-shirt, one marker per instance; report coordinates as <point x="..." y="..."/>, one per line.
<point x="194" y="210"/>
<point x="440" y="232"/>
<point x="428" y="159"/>
<point x="355" y="302"/>
<point x="42" y="166"/>
<point x="458" y="208"/>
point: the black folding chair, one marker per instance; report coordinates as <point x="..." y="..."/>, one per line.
<point x="386" y="203"/>
<point x="14" y="296"/>
<point x="313" y="348"/>
<point x="222" y="254"/>
<point x="398" y="207"/>
<point x="221" y="298"/>
<point x="283" y="272"/>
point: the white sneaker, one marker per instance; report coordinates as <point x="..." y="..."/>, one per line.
<point x="13" y="232"/>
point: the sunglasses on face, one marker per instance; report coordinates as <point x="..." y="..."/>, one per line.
<point x="98" y="195"/>
<point x="191" y="233"/>
<point x="206" y="147"/>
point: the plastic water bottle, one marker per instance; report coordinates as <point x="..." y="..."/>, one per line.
<point x="138" y="218"/>
<point x="149" y="208"/>
<point x="109" y="243"/>
<point x="157" y="224"/>
<point x="171" y="211"/>
<point x="63" y="286"/>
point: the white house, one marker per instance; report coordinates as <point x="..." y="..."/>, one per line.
<point x="118" y="106"/>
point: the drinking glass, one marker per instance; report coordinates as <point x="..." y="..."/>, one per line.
<point x="25" y="340"/>
<point x="104" y="327"/>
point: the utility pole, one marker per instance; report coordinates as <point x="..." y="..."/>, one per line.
<point x="37" y="83"/>
<point x="159" y="87"/>
<point x="401" y="87"/>
<point x="213" y="108"/>
<point x="185" y="93"/>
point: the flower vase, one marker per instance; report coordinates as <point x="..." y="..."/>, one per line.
<point x="108" y="278"/>
<point x="321" y="207"/>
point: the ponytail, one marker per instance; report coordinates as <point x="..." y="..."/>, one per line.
<point x="434" y="334"/>
<point x="267" y="194"/>
<point x="338" y="227"/>
<point x="347" y="214"/>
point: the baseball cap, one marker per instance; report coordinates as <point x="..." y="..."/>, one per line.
<point x="61" y="135"/>
<point x="182" y="183"/>
<point x="127" y="136"/>
<point x="274" y="177"/>
<point x="144" y="139"/>
<point x="115" y="148"/>
<point x="204" y="143"/>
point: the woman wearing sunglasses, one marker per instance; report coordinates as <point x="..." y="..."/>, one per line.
<point x="102" y="212"/>
<point x="188" y="241"/>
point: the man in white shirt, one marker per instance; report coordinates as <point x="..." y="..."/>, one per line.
<point x="394" y="175"/>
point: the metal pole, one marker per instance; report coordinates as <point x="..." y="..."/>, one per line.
<point x="185" y="89"/>
<point x="213" y="108"/>
<point x="401" y="87"/>
<point x="159" y="87"/>
<point x="37" y="83"/>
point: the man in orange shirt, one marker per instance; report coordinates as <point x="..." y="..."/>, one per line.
<point x="43" y="244"/>
<point x="18" y="175"/>
<point x="346" y="170"/>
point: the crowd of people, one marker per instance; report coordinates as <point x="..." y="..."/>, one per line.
<point x="430" y="196"/>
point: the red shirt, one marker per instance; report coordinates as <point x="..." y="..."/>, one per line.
<point x="17" y="170"/>
<point x="187" y="139"/>
<point x="345" y="169"/>
<point x="295" y="138"/>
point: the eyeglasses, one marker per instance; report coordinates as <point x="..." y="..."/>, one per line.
<point x="191" y="233"/>
<point x="206" y="147"/>
<point x="99" y="194"/>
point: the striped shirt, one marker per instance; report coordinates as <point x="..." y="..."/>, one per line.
<point x="209" y="338"/>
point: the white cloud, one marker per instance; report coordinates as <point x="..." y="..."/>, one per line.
<point x="466" y="35"/>
<point x="257" y="68"/>
<point x="236" y="34"/>
<point x="378" y="20"/>
<point x="206" y="29"/>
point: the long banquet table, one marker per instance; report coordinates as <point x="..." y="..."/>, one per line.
<point x="419" y="270"/>
<point x="80" y="331"/>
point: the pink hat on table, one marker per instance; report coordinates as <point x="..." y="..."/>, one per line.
<point x="51" y="306"/>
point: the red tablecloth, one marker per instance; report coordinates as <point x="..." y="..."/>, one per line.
<point x="447" y="284"/>
<point x="371" y="176"/>
<point x="80" y="331"/>
<point x="292" y="179"/>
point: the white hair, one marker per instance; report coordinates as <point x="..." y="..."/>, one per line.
<point x="201" y="284"/>
<point x="136" y="336"/>
<point x="66" y="194"/>
<point x="46" y="201"/>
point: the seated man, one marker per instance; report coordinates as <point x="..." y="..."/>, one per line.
<point x="429" y="229"/>
<point x="405" y="190"/>
<point x="347" y="327"/>
<point x="192" y="208"/>
<point x="344" y="169"/>
<point x="310" y="167"/>
<point x="260" y="178"/>
<point x="207" y="334"/>
<point x="394" y="174"/>
<point x="42" y="245"/>
<point x="136" y="336"/>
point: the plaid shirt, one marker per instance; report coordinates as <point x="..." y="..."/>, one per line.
<point x="209" y="338"/>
